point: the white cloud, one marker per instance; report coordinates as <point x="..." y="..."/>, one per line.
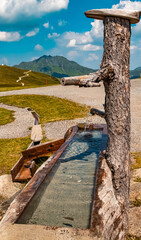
<point x="80" y="38"/>
<point x="46" y="25"/>
<point x="9" y="36"/>
<point x="11" y="10"/>
<point x="34" y="58"/>
<point x="90" y="47"/>
<point x="33" y="32"/>
<point x="53" y="35"/>
<point x="77" y="43"/>
<point x="133" y="47"/>
<point x="92" y="57"/>
<point x="38" y="47"/>
<point x="72" y="43"/>
<point x="62" y="23"/>
<point x="86" y="38"/>
<point x="128" y="5"/>
<point x="97" y="29"/>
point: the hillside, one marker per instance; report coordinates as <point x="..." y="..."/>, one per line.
<point x="135" y="73"/>
<point x="9" y="76"/>
<point x="56" y="66"/>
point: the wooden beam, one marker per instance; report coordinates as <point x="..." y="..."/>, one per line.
<point x="132" y="15"/>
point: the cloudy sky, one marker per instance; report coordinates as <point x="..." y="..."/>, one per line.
<point x="32" y="28"/>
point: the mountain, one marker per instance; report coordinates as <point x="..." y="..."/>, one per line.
<point x="56" y="66"/>
<point x="10" y="75"/>
<point x="136" y="73"/>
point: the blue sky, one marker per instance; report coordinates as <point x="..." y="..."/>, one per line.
<point x="32" y="28"/>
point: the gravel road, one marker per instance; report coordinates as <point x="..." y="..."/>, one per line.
<point x="93" y="97"/>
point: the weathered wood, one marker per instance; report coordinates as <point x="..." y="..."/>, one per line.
<point x="16" y="168"/>
<point x="20" y="202"/>
<point x="94" y="78"/>
<point x="42" y="149"/>
<point x="72" y="80"/>
<point x="113" y="188"/>
<point x="133" y="16"/>
<point x="91" y="80"/>
<point x="95" y="111"/>
<point x="20" y="172"/>
<point x="112" y="223"/>
<point x="117" y="33"/>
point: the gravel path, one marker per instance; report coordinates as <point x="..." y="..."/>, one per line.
<point x="20" y="126"/>
<point x="90" y="96"/>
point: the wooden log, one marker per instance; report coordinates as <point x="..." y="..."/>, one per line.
<point x="116" y="166"/>
<point x="72" y="80"/>
<point x="91" y="80"/>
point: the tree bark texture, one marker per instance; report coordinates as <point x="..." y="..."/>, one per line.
<point x="112" y="192"/>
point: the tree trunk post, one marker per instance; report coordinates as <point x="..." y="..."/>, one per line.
<point x="110" y="209"/>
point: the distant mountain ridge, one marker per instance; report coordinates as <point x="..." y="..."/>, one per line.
<point x="136" y="73"/>
<point x="56" y="66"/>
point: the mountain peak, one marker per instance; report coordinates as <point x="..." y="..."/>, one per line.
<point x="57" y="66"/>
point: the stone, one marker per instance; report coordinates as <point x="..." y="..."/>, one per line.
<point x="7" y="187"/>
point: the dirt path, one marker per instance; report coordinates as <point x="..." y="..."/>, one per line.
<point x="26" y="74"/>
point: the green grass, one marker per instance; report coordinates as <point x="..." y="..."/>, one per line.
<point x="6" y="116"/>
<point x="137" y="157"/>
<point x="9" y="75"/>
<point x="10" y="151"/>
<point x="49" y="108"/>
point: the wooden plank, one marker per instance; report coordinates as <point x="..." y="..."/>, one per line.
<point x="133" y="16"/>
<point x="19" y="172"/>
<point x="42" y="149"/>
<point x="23" y="174"/>
<point x="16" y="168"/>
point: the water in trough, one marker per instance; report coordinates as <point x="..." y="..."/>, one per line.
<point x="65" y="197"/>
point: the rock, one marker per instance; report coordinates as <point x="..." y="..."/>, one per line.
<point x="8" y="189"/>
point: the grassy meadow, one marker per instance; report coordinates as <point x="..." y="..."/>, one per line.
<point x="6" y="116"/>
<point x="49" y="108"/>
<point x="9" y="76"/>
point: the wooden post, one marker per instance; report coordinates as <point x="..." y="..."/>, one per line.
<point x="110" y="210"/>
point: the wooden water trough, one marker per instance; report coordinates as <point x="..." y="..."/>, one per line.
<point x="25" y="168"/>
<point x="23" y="199"/>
